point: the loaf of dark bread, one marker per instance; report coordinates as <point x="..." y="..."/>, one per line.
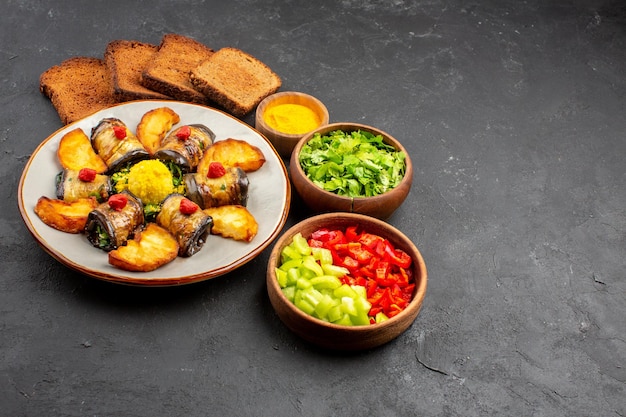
<point x="168" y="73"/>
<point x="78" y="87"/>
<point x="235" y="80"/>
<point x="126" y="61"/>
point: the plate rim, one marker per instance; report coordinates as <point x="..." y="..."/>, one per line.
<point x="122" y="277"/>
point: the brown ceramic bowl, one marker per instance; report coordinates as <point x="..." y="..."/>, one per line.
<point x="285" y="142"/>
<point x="321" y="201"/>
<point x="339" y="337"/>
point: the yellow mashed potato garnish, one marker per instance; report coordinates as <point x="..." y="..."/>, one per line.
<point x="150" y="181"/>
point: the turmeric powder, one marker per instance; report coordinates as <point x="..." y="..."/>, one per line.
<point x="291" y="118"/>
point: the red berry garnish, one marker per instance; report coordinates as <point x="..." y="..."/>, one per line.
<point x="87" y="174"/>
<point x="187" y="206"/>
<point x="120" y="132"/>
<point x="118" y="201"/>
<point x="216" y="170"/>
<point x="183" y="133"/>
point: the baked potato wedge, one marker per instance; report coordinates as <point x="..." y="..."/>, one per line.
<point x="232" y="153"/>
<point x="150" y="249"/>
<point x="68" y="217"/>
<point x="154" y="125"/>
<point x="234" y="222"/>
<point x="75" y="152"/>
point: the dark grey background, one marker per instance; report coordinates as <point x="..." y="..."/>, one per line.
<point x="514" y="115"/>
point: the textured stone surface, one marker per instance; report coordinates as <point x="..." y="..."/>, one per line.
<point x="514" y="115"/>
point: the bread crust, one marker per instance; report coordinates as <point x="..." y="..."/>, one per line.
<point x="77" y="87"/>
<point x="168" y="73"/>
<point x="126" y="60"/>
<point x="235" y="80"/>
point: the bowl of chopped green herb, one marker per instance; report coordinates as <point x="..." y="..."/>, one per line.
<point x="351" y="167"/>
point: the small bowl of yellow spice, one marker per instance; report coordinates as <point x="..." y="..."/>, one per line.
<point x="285" y="117"/>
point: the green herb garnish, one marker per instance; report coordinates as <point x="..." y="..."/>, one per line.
<point x="119" y="179"/>
<point x="104" y="240"/>
<point x="177" y="173"/>
<point x="150" y="211"/>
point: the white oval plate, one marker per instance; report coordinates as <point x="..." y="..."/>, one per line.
<point x="269" y="197"/>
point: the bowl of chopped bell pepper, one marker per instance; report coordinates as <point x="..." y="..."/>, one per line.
<point x="351" y="167"/>
<point x="346" y="281"/>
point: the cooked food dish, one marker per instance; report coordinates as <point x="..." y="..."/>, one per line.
<point x="189" y="226"/>
<point x="75" y="152"/>
<point x="109" y="226"/>
<point x="70" y="187"/>
<point x="116" y="144"/>
<point x="185" y="146"/>
<point x="138" y="190"/>
<point x="154" y="125"/>
<point x="233" y="153"/>
<point x="268" y="203"/>
<point x="150" y="249"/>
<point x="233" y="221"/>
<point x="228" y="189"/>
<point x="68" y="217"/>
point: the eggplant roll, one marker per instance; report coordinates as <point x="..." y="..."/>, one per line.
<point x="190" y="230"/>
<point x="109" y="229"/>
<point x="231" y="188"/>
<point x="116" y="152"/>
<point x="70" y="188"/>
<point x="185" y="151"/>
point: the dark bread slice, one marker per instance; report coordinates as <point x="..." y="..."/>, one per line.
<point x="235" y="80"/>
<point x="126" y="60"/>
<point x="78" y="87"/>
<point x="168" y="73"/>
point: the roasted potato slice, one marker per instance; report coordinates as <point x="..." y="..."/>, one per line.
<point x="69" y="217"/>
<point x="75" y="152"/>
<point x="233" y="221"/>
<point x="232" y="153"/>
<point x="154" y="125"/>
<point x="150" y="249"/>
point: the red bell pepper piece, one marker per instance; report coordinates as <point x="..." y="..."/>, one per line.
<point x="370" y="240"/>
<point x="366" y="272"/>
<point x="371" y="286"/>
<point x="407" y="292"/>
<point x="336" y="237"/>
<point x="373" y="263"/>
<point x="393" y="310"/>
<point x="382" y="272"/>
<point x="375" y="310"/>
<point x="361" y="281"/>
<point x="397" y="256"/>
<point x="316" y="243"/>
<point x="359" y="253"/>
<point x="322" y="235"/>
<point x="351" y="234"/>
<point x="350" y="263"/>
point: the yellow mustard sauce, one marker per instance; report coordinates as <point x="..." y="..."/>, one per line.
<point x="291" y="118"/>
